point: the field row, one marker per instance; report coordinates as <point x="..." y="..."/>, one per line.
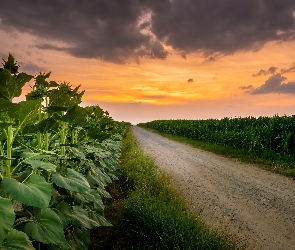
<point x="274" y="134"/>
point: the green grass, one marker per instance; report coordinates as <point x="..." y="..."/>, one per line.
<point x="280" y="164"/>
<point x="148" y="214"/>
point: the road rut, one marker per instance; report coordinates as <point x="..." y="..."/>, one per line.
<point x="256" y="206"/>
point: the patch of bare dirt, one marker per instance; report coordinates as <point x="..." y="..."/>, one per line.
<point x="256" y="206"/>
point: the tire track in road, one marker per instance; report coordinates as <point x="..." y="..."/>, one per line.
<point x="256" y="206"/>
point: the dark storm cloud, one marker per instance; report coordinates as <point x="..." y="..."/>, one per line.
<point x="262" y="72"/>
<point x="102" y="29"/>
<point x="224" y="27"/>
<point x="117" y="30"/>
<point x="275" y="85"/>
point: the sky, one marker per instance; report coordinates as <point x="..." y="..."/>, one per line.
<point x="145" y="60"/>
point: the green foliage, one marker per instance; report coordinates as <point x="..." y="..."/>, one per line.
<point x="11" y="85"/>
<point x="79" y="239"/>
<point x="37" y="165"/>
<point x="7" y="217"/>
<point x="152" y="215"/>
<point x="72" y="181"/>
<point x="53" y="171"/>
<point x="259" y="135"/>
<point x="35" y="192"/>
<point x="46" y="228"/>
<point x="17" y="240"/>
<point x="10" y="65"/>
<point x="6" y="105"/>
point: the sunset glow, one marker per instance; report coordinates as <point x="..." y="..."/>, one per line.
<point x="160" y="75"/>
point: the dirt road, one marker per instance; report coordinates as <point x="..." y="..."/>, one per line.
<point x="257" y="206"/>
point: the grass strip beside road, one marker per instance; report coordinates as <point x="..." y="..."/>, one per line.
<point x="147" y="213"/>
<point x="270" y="161"/>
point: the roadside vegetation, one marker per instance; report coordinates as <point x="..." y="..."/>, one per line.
<point x="56" y="159"/>
<point x="146" y="212"/>
<point x="268" y="142"/>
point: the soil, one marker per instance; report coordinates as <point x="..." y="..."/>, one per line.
<point x="257" y="207"/>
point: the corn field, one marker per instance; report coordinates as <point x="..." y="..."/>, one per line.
<point x="260" y="134"/>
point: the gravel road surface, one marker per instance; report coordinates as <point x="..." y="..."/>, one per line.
<point x="256" y="206"/>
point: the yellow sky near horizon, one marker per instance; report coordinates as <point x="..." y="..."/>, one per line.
<point x="154" y="83"/>
<point x="166" y="81"/>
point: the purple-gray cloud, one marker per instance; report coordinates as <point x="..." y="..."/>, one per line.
<point x="275" y="84"/>
<point x="117" y="30"/>
<point x="289" y="70"/>
<point x="31" y="68"/>
<point x="224" y="27"/>
<point x="271" y="70"/>
<point x="247" y="89"/>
